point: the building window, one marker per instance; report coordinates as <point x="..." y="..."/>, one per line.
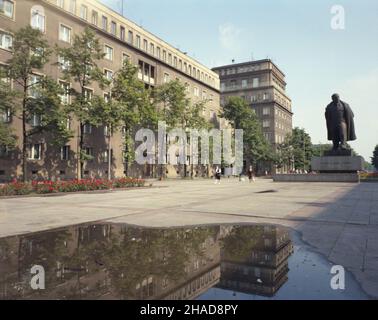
<point x="64" y="33"/>
<point x="72" y="8"/>
<point x="158" y="52"/>
<point x="164" y="56"/>
<point x="107" y="132"/>
<point x="196" y="92"/>
<point x="244" y="83"/>
<point x="166" y="77"/>
<point x="145" y="45"/>
<point x="6" y="116"/>
<point x="84" y="12"/>
<point x="65" y="153"/>
<point x="6" y="41"/>
<point x="65" y="96"/>
<point x="88" y="151"/>
<point x="113" y="28"/>
<point x="125" y="57"/>
<point x="266" y="123"/>
<point x="37" y="19"/>
<point x="108" y="74"/>
<point x="7" y="8"/>
<point x="138" y="42"/>
<point x="104" y="23"/>
<point x="108" y="53"/>
<point x="152" y="49"/>
<point x="87" y="128"/>
<point x="34" y="151"/>
<point x="255" y="82"/>
<point x="106" y="155"/>
<point x="88" y="93"/>
<point x="95" y="18"/>
<point x="170" y="58"/>
<point x="266" y="111"/>
<point x="60" y="3"/>
<point x="36" y="120"/>
<point x="63" y="64"/>
<point x="122" y="33"/>
<point x="130" y="37"/>
<point x="107" y="97"/>
<point x="3" y="152"/>
<point x="34" y="83"/>
<point x="175" y="62"/>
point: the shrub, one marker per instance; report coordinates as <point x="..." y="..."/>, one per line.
<point x="47" y="186"/>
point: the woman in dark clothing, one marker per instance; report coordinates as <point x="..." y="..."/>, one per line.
<point x="218" y="172"/>
<point x="250" y="174"/>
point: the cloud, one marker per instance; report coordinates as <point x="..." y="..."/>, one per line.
<point x="229" y="36"/>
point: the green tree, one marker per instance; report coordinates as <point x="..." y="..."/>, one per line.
<point x="35" y="99"/>
<point x="134" y="106"/>
<point x="79" y="64"/>
<point x="7" y="137"/>
<point x="172" y="98"/>
<point x="241" y="116"/>
<point x="374" y="159"/>
<point x="178" y="111"/>
<point x="301" y="148"/>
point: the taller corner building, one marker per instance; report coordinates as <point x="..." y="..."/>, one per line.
<point x="121" y="39"/>
<point x="262" y="84"/>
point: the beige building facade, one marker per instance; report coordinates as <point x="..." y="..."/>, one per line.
<point x="158" y="62"/>
<point x="262" y="84"/>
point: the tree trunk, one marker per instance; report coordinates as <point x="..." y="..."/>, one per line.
<point x="24" y="136"/>
<point x="80" y="163"/>
<point x="109" y="154"/>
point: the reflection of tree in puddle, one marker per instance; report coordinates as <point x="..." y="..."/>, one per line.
<point x="96" y="260"/>
<point x="117" y="261"/>
<point x="139" y="255"/>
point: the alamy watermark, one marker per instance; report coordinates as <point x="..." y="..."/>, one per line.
<point x="338" y="280"/>
<point x="190" y="146"/>
<point x="37" y="281"/>
<point x="338" y="17"/>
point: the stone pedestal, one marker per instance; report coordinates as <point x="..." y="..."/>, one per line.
<point x="337" y="164"/>
<point x="333" y="168"/>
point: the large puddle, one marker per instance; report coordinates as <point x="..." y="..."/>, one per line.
<point x="118" y="261"/>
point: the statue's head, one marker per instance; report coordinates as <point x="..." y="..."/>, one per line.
<point x="335" y="98"/>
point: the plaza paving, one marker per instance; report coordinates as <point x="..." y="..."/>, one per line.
<point x="339" y="220"/>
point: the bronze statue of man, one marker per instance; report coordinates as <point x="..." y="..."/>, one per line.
<point x="340" y="123"/>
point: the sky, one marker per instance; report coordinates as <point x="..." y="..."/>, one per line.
<point x="297" y="35"/>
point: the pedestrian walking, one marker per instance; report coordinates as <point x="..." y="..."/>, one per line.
<point x="218" y="172"/>
<point x="251" y="177"/>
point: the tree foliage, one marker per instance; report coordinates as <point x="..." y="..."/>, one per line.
<point x="374" y="159"/>
<point x="33" y="97"/>
<point x="241" y="116"/>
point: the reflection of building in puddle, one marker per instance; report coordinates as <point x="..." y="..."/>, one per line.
<point x="112" y="261"/>
<point x="115" y="261"/>
<point x="254" y="259"/>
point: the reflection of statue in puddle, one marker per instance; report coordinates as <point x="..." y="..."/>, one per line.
<point x="254" y="259"/>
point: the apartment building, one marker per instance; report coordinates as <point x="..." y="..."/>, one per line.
<point x="158" y="63"/>
<point x="262" y="84"/>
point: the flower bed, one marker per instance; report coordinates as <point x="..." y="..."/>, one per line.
<point x="43" y="187"/>
<point x="369" y="176"/>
